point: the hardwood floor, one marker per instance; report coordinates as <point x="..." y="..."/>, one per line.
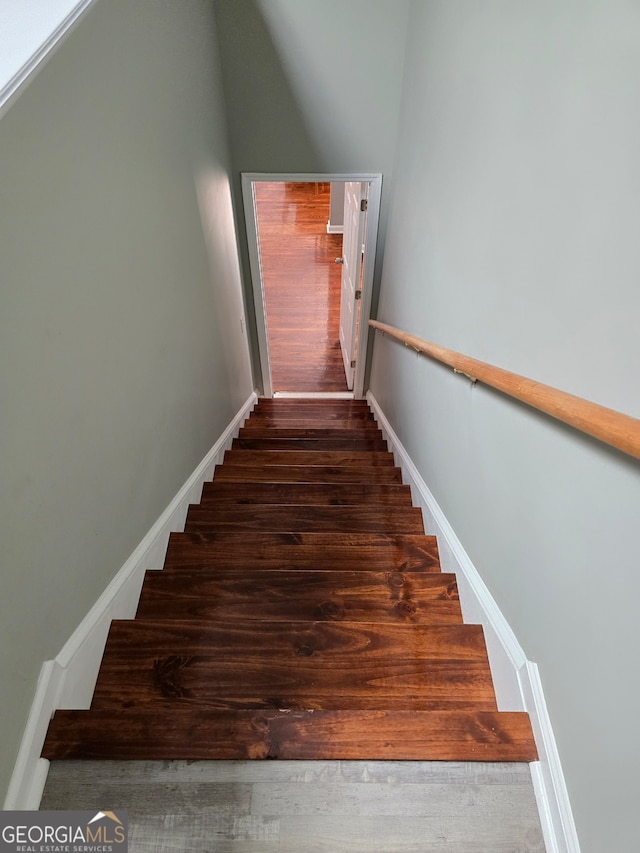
<point x="308" y="806"/>
<point x="215" y="549"/>
<point x="302" y="286"/>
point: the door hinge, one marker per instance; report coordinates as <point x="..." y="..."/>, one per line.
<point x="358" y="294"/>
<point x="364" y="204"/>
<point x="353" y="363"/>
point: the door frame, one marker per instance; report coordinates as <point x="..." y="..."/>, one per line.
<point x="368" y="264"/>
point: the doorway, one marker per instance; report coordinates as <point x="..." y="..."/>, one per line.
<point x="312" y="301"/>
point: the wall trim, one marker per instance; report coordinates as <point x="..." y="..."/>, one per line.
<point x="517" y="680"/>
<point x="30" y="771"/>
<point x="20" y="78"/>
<point x="548" y="779"/>
<point x="69" y="680"/>
<point x="374" y="179"/>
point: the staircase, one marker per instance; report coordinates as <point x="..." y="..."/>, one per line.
<point x="302" y="614"/>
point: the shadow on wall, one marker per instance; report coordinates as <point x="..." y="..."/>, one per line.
<point x="260" y="101"/>
<point x="213" y="193"/>
<point x="267" y="130"/>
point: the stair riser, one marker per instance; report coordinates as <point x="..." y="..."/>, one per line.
<point x="295" y="639"/>
<point x="314" y="412"/>
<point x="325" y="444"/>
<point x="213" y="549"/>
<point x="227" y="686"/>
<point x="256" y="473"/>
<point x="332" y="458"/>
<point x="309" y="422"/>
<point x="305" y="519"/>
<point x="345" y="494"/>
<point x="165" y="605"/>
<point x="257" y="431"/>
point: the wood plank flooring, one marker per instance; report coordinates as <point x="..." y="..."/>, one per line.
<point x="301" y="615"/>
<point x="316" y="494"/>
<point x="211" y="550"/>
<point x="306" y="519"/>
<point x="308" y="806"/>
<point x="285" y="596"/>
<point x="301" y="286"/>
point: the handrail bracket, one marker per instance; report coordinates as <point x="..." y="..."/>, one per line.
<point x="472" y="379"/>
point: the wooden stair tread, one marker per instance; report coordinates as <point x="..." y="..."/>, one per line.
<point x="310" y="473"/>
<point x="311" y="409"/>
<point x="333" y="443"/>
<point x="332" y="458"/>
<point x="238" y="735"/>
<point x="302" y="551"/>
<point x="295" y="638"/>
<point x="413" y="597"/>
<point x="254" y="430"/>
<point x="339" y="428"/>
<point x="284" y="518"/>
<point x="323" y="665"/>
<point x="332" y="494"/>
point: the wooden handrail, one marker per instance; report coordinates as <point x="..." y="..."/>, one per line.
<point x="614" y="428"/>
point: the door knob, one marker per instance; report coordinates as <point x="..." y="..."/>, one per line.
<point x="339" y="260"/>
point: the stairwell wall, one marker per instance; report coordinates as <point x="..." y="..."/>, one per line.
<point x="123" y="353"/>
<point x="311" y="86"/>
<point x="512" y="237"/>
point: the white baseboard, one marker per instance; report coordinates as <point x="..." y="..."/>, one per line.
<point x="30" y="771"/>
<point x="335" y="229"/>
<point x="516" y="679"/>
<point x="69" y="680"/>
<point x="548" y="780"/>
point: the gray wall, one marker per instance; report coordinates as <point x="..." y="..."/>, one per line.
<point x="336" y="205"/>
<point x="513" y="237"/>
<point x="312" y="86"/>
<point x="122" y="356"/>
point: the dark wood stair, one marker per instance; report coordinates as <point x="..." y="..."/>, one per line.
<point x="286" y="595"/>
<point x="301" y="614"/>
<point x="317" y="494"/>
<point x="212" y="549"/>
<point x="305" y="519"/>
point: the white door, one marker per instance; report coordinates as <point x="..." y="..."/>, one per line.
<point x="355" y="193"/>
